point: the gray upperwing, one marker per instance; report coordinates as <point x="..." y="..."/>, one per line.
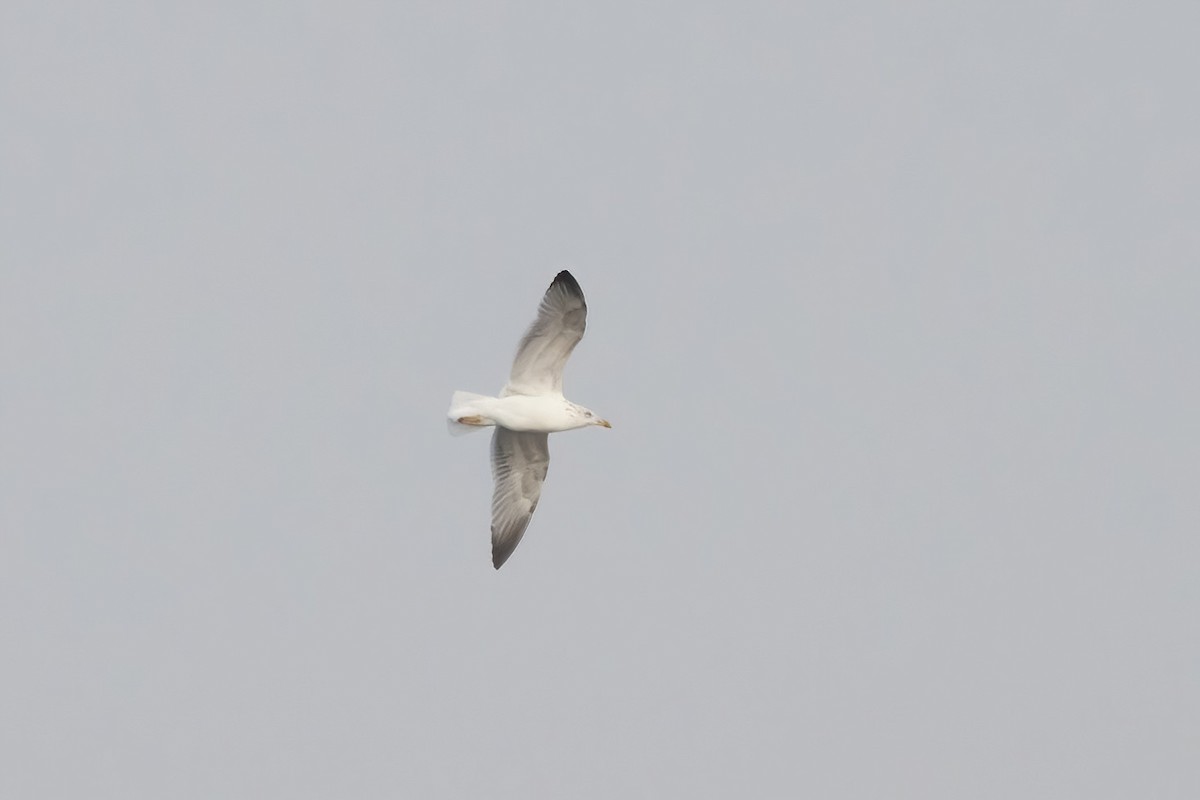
<point x="546" y="346"/>
<point x="519" y="465"/>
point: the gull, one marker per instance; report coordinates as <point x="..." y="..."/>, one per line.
<point x="530" y="408"/>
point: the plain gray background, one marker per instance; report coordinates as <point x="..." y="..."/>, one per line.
<point x="893" y="308"/>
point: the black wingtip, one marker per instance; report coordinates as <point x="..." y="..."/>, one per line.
<point x="500" y="555"/>
<point x="568" y="282"/>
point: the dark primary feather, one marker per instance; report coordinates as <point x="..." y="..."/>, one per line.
<point x="545" y="347"/>
<point x="519" y="465"/>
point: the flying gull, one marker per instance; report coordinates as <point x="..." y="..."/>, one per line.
<point x="528" y="410"/>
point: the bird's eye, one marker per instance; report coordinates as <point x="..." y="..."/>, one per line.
<point x="588" y="413"/>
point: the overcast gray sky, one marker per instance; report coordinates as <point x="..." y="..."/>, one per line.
<point x="893" y="307"/>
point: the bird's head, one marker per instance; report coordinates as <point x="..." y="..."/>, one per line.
<point x="589" y="417"/>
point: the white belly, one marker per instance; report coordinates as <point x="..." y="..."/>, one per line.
<point x="545" y="414"/>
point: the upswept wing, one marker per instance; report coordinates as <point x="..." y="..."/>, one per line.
<point x="546" y="346"/>
<point x="519" y="464"/>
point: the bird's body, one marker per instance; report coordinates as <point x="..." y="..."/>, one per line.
<point x="530" y="407"/>
<point x="520" y="412"/>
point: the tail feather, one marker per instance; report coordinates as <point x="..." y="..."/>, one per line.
<point x="462" y="404"/>
<point x="458" y="429"/>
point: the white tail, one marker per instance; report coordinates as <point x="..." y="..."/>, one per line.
<point x="462" y="404"/>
